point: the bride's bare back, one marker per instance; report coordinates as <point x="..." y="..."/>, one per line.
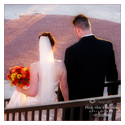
<point x="61" y="74"/>
<point x="59" y="68"/>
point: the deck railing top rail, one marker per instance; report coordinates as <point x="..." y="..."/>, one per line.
<point x="112" y="83"/>
<point x="67" y="104"/>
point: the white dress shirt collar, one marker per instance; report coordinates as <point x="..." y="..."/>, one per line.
<point x="87" y="35"/>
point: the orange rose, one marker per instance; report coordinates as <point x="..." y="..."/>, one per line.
<point x="11" y="84"/>
<point x="16" y="73"/>
<point x="13" y="70"/>
<point x="28" y="69"/>
<point x="21" y="85"/>
<point x="23" y="73"/>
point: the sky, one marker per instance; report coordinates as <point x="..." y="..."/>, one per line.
<point x="109" y="12"/>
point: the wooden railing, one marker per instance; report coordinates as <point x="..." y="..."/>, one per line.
<point x="111" y="84"/>
<point x="6" y="101"/>
<point x="69" y="104"/>
<point x="89" y="102"/>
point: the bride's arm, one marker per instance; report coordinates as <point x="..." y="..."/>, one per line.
<point x="64" y="84"/>
<point x="33" y="87"/>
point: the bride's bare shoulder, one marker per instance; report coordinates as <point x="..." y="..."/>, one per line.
<point x="59" y="63"/>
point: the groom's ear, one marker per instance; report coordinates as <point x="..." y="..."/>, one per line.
<point x="78" y="29"/>
<point x="75" y="28"/>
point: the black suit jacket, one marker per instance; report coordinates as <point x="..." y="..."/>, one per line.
<point x="88" y="62"/>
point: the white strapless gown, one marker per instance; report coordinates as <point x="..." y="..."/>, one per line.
<point x="19" y="100"/>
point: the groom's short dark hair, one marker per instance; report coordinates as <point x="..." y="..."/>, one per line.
<point x="81" y="21"/>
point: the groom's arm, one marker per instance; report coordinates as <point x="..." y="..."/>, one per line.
<point x="111" y="73"/>
<point x="70" y="63"/>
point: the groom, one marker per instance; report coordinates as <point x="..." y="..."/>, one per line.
<point x="88" y="62"/>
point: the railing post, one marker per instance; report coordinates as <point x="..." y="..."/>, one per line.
<point x="26" y="115"/>
<point x="81" y="113"/>
<point x="7" y="116"/>
<point x="13" y="116"/>
<point x="90" y="115"/>
<point x="19" y="116"/>
<point x="109" y="90"/>
<point x="107" y="112"/>
<point x="101" y="113"/>
<point x="47" y="115"/>
<point x="71" y="113"/>
<point x="6" y="101"/>
<point x="40" y="115"/>
<point x="32" y="116"/>
<point x="119" y="88"/>
<point x="55" y="115"/>
<point x="63" y="116"/>
<point x="114" y="112"/>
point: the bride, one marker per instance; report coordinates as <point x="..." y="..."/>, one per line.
<point x="45" y="76"/>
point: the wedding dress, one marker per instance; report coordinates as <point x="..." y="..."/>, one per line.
<point x="46" y="89"/>
<point x="19" y="100"/>
<point x="36" y="101"/>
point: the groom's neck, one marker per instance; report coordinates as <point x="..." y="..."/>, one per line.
<point x="84" y="33"/>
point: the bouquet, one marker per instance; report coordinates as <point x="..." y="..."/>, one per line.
<point x="19" y="75"/>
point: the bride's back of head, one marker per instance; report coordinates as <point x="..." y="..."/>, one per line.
<point x="46" y="65"/>
<point x="50" y="36"/>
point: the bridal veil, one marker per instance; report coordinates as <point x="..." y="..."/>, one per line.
<point x="47" y="69"/>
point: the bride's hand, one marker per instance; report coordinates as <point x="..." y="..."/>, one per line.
<point x="18" y="88"/>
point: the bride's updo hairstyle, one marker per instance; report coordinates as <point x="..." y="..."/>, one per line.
<point x="49" y="35"/>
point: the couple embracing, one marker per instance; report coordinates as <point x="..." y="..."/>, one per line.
<point x="82" y="74"/>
